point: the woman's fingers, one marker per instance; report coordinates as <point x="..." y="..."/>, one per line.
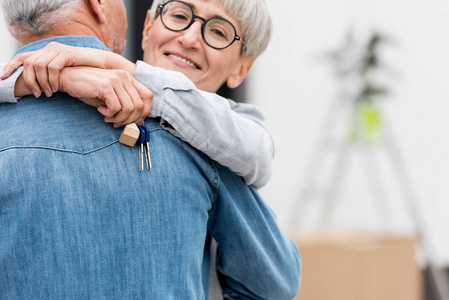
<point x="29" y="76"/>
<point x="41" y="74"/>
<point x="54" y="70"/>
<point x="142" y="99"/>
<point x="127" y="106"/>
<point x="15" y="63"/>
<point x="138" y="105"/>
<point x="42" y="68"/>
<point x="123" y="99"/>
<point x="146" y="96"/>
<point x="35" y="71"/>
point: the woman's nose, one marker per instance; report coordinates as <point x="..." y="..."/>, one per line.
<point x="191" y="37"/>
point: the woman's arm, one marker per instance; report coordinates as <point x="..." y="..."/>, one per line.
<point x="121" y="99"/>
<point x="115" y="93"/>
<point x="42" y="67"/>
<point x="233" y="134"/>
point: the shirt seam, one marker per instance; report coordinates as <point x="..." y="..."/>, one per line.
<point x="67" y="150"/>
<point x="59" y="149"/>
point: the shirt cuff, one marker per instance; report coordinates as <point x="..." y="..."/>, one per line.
<point x="7" y="86"/>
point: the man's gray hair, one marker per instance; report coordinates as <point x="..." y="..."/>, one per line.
<point x="253" y="17"/>
<point x="32" y="15"/>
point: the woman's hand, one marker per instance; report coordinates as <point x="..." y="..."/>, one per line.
<point x="57" y="67"/>
<point x="116" y="93"/>
<point x="42" y="68"/>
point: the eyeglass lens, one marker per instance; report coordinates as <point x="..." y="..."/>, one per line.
<point x="178" y="16"/>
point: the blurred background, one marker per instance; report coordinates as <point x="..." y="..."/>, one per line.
<point x="391" y="178"/>
<point x="295" y="87"/>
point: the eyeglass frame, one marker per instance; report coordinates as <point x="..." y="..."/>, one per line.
<point x="203" y="26"/>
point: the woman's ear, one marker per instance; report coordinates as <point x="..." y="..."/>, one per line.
<point x="146" y="30"/>
<point x="98" y="8"/>
<point x="246" y="62"/>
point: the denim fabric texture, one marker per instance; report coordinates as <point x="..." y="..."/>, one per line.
<point x="78" y="220"/>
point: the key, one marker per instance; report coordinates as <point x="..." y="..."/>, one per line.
<point x="142" y="139"/>
<point x="147" y="148"/>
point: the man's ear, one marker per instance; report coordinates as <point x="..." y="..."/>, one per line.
<point x="146" y="30"/>
<point x="98" y="8"/>
<point x="246" y="62"/>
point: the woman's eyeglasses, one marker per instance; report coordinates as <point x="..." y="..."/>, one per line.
<point x="217" y="32"/>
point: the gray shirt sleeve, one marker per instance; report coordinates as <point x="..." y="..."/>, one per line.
<point x="7" y="86"/>
<point x="233" y="134"/>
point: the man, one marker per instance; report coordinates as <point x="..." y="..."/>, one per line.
<point x="78" y="219"/>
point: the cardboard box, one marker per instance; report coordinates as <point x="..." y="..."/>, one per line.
<point x="358" y="266"/>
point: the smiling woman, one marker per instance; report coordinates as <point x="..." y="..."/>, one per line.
<point x="136" y="15"/>
<point x="189" y="52"/>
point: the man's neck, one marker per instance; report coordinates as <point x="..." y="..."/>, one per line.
<point x="82" y="26"/>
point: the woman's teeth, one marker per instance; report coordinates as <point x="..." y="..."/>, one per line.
<point x="184" y="60"/>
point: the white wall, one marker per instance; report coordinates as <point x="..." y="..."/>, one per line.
<point x="295" y="89"/>
<point x="9" y="45"/>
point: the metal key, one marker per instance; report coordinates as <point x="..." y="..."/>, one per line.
<point x="147" y="147"/>
<point x="141" y="142"/>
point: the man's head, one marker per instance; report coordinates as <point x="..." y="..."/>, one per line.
<point x="189" y="52"/>
<point x="32" y="20"/>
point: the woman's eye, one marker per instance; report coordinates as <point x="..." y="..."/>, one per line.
<point x="219" y="33"/>
<point x="180" y="16"/>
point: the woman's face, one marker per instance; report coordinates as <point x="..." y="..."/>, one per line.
<point x="187" y="52"/>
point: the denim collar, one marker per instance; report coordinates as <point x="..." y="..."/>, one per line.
<point x="71" y="40"/>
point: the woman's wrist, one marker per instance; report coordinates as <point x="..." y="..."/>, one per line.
<point x="118" y="62"/>
<point x="20" y="89"/>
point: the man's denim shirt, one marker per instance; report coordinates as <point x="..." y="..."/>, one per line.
<point x="78" y="220"/>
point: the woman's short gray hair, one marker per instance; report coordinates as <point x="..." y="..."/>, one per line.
<point x="253" y="17"/>
<point x="31" y="15"/>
